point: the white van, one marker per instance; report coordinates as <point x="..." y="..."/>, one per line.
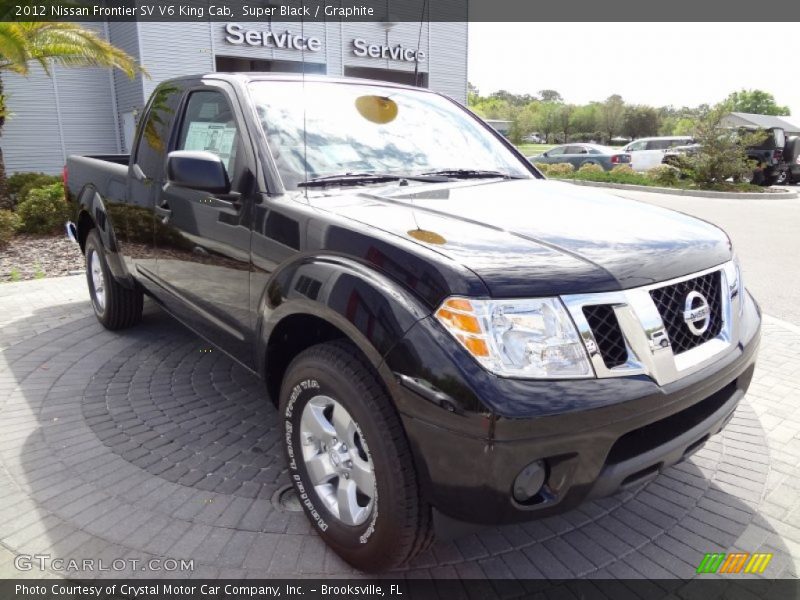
<point x="647" y="153"/>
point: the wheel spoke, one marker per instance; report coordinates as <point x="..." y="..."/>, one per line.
<point x="315" y="423"/>
<point x="362" y="475"/>
<point x="346" y="496"/>
<point x="320" y="469"/>
<point x="343" y="424"/>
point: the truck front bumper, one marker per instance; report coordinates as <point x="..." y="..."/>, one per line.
<point x="593" y="437"/>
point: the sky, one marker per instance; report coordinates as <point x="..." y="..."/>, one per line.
<point x="683" y="64"/>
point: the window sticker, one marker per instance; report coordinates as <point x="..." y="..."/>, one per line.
<point x="212" y="137"/>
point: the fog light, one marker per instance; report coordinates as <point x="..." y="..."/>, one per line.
<point x="529" y="481"/>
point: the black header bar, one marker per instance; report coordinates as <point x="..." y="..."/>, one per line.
<point x="403" y="11"/>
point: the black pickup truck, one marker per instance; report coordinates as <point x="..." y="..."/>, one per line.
<point x="447" y="335"/>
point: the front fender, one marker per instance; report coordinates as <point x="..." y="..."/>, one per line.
<point x="373" y="311"/>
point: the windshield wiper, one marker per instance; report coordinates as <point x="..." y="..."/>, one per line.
<point x="360" y="178"/>
<point x="470" y="174"/>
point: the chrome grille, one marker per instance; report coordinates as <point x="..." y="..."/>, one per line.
<point x="607" y="334"/>
<point x="649" y="324"/>
<point x="670" y="301"/>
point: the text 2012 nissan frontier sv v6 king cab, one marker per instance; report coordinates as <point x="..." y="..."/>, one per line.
<point x="442" y="330"/>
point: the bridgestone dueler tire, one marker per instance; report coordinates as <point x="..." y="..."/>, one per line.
<point x="399" y="526"/>
<point x="123" y="306"/>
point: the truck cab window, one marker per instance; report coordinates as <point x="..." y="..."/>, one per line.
<point x="154" y="138"/>
<point x="209" y="124"/>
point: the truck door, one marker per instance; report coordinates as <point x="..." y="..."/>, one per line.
<point x="204" y="264"/>
<point x="134" y="220"/>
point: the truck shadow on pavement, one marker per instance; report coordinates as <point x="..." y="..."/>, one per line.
<point x="150" y="444"/>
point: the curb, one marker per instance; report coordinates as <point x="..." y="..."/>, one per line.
<point x="787" y="195"/>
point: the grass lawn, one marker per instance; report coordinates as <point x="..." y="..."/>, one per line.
<point x="531" y="149"/>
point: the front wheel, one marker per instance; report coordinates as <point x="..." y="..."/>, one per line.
<point x="115" y="306"/>
<point x="349" y="459"/>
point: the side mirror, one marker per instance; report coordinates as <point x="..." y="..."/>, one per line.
<point x="544" y="154"/>
<point x="198" y="170"/>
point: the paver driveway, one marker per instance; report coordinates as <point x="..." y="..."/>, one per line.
<point x="149" y="443"/>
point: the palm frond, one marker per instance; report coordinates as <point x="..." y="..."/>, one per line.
<point x="67" y="44"/>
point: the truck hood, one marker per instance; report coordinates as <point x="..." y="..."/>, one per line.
<point x="535" y="237"/>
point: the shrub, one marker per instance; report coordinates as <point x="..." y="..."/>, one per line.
<point x="35" y="184"/>
<point x="560" y="169"/>
<point x="664" y="175"/>
<point x="722" y="153"/>
<point x="622" y="170"/>
<point x="44" y="210"/>
<point x="20" y="185"/>
<point x="543" y="167"/>
<point x="591" y="168"/>
<point x="8" y="224"/>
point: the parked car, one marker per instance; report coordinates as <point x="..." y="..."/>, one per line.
<point x="647" y="153"/>
<point x="583" y="154"/>
<point x="443" y="331"/>
<point x="768" y="157"/>
<point x="534" y="138"/>
<point x="791" y="157"/>
<point x="672" y="156"/>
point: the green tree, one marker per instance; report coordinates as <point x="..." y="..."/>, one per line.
<point x="550" y="96"/>
<point x="640" y="121"/>
<point x="612" y="115"/>
<point x="756" y="102"/>
<point x="49" y="43"/>
<point x="585" y="120"/>
<point x="563" y="118"/>
<point x="684" y="126"/>
<point x="547" y="119"/>
<point x="723" y="151"/>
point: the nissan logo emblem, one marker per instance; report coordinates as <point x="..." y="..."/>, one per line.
<point x="696" y="313"/>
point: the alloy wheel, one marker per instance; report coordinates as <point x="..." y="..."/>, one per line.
<point x="337" y="460"/>
<point x="98" y="283"/>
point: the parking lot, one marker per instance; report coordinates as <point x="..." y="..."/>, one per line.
<point x="149" y="444"/>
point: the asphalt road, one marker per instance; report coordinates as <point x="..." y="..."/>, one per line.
<point x="766" y="236"/>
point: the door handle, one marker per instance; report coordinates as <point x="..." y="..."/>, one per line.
<point x="230" y="203"/>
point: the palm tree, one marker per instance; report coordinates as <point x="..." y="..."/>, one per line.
<point x="48" y="43"/>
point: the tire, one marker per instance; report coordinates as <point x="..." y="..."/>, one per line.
<point x="115" y="306"/>
<point x="374" y="530"/>
<point x="756" y="177"/>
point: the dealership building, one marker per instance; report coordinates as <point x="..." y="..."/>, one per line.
<point x="94" y="111"/>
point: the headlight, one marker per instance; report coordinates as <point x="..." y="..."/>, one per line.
<point x="533" y="339"/>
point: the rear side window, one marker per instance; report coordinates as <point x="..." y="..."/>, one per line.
<point x="636" y="146"/>
<point x="659" y="144"/>
<point x="154" y="138"/>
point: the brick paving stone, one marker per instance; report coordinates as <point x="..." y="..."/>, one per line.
<point x="134" y="444"/>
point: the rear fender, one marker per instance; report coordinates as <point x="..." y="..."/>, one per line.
<point x="92" y="214"/>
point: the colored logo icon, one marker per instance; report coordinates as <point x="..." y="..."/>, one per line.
<point x="736" y="562"/>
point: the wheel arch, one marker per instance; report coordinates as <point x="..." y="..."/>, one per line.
<point x="92" y="214"/>
<point x="344" y="300"/>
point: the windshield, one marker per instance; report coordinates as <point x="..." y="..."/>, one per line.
<point x="354" y="128"/>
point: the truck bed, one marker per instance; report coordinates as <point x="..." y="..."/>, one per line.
<point x="108" y="173"/>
